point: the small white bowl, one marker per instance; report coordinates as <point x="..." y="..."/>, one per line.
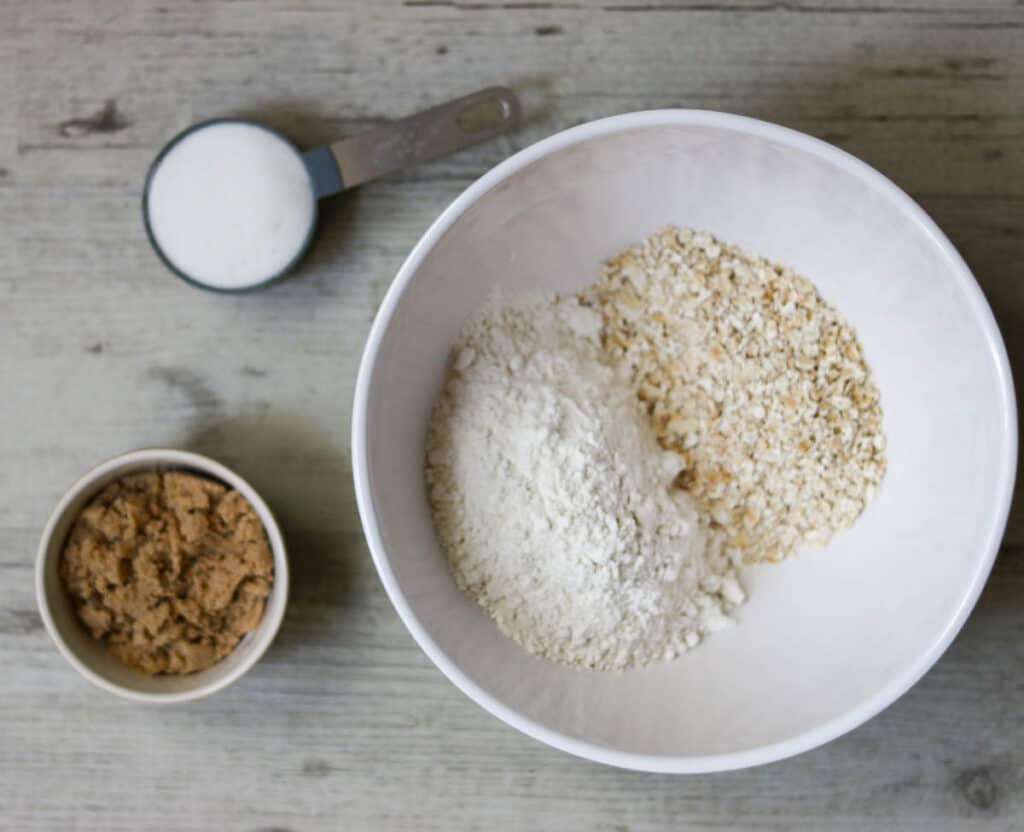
<point x="828" y="638"/>
<point x="91" y="657"/>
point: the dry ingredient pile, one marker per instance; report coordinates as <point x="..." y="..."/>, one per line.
<point x="170" y="569"/>
<point x="600" y="466"/>
<point x="755" y="381"/>
<point x="554" y="501"/>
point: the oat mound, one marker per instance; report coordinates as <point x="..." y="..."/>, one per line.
<point x="170" y="569"/>
<point x="754" y="380"/>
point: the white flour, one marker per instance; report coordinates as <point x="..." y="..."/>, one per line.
<point x="551" y="496"/>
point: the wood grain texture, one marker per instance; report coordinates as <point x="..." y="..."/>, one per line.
<point x="345" y="723"/>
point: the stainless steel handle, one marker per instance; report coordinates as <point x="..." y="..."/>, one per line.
<point x="427" y="135"/>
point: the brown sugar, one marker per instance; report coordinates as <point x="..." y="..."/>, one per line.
<point x="169" y="568"/>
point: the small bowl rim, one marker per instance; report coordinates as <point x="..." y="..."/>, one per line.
<point x="988" y="544"/>
<point x="200" y="464"/>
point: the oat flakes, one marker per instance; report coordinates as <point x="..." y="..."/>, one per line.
<point x="754" y="380"/>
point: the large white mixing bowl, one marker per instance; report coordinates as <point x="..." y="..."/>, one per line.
<point x="827" y="639"/>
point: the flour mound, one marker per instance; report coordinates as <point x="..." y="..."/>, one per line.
<point x="553" y="500"/>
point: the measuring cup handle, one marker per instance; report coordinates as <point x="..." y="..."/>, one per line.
<point x="427" y="135"/>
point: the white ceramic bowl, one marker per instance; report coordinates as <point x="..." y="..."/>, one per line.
<point x="91" y="657"/>
<point x="828" y="638"/>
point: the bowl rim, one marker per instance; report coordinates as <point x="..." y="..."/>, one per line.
<point x="988" y="545"/>
<point x="273" y="614"/>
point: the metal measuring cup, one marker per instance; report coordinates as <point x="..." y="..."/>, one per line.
<point x="351" y="161"/>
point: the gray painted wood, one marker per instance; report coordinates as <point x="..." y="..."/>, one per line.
<point x="345" y="723"/>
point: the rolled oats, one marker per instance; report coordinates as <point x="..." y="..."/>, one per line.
<point x="757" y="383"/>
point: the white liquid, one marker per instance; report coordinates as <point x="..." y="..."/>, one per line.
<point x="231" y="205"/>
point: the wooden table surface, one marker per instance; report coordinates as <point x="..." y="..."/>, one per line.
<point x="345" y="723"/>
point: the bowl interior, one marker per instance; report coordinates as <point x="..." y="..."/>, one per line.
<point x="827" y="638"/>
<point x="91" y="656"/>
